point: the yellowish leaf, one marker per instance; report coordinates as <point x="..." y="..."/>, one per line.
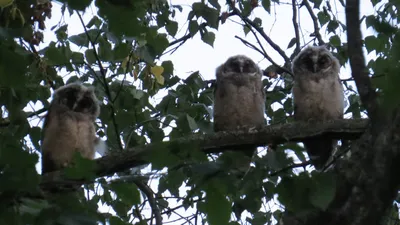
<point x="124" y="62"/>
<point x="157" y="71"/>
<point x="5" y="3"/>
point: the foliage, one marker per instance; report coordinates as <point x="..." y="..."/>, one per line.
<point x="119" y="54"/>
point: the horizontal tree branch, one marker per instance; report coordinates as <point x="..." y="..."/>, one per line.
<point x="211" y="143"/>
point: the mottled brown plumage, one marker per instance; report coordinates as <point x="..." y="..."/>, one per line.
<point x="317" y="96"/>
<point x="239" y="98"/>
<point x="69" y="126"/>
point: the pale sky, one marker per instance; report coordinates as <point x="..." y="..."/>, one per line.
<point x="195" y="55"/>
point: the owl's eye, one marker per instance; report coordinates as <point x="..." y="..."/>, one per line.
<point x="308" y="61"/>
<point x="234" y="67"/>
<point x="70" y="98"/>
<point x="247" y="66"/>
<point x="323" y="61"/>
<point x="85" y="104"/>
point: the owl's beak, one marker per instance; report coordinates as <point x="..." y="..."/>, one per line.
<point x="315" y="68"/>
<point x="241" y="69"/>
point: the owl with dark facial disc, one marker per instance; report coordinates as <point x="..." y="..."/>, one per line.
<point x="239" y="100"/>
<point x="318" y="96"/>
<point x="69" y="126"/>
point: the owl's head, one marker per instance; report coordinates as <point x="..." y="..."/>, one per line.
<point x="315" y="60"/>
<point x="78" y="98"/>
<point x="239" y="65"/>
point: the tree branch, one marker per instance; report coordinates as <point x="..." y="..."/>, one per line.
<point x="262" y="33"/>
<point x="357" y="60"/>
<point x="264" y="54"/>
<point x="296" y="27"/>
<point x="106" y="87"/>
<point x="153" y="204"/>
<point x="118" y="161"/>
<point x="315" y="22"/>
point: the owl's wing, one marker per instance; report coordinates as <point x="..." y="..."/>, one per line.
<point x="52" y="113"/>
<point x="46" y="122"/>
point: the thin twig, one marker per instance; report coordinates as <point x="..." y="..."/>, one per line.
<point x="263" y="53"/>
<point x="150" y="195"/>
<point x="357" y="60"/>
<point x="262" y="33"/>
<point x="6" y="121"/>
<point x="292" y="166"/>
<point x="106" y="87"/>
<point x="296" y="27"/>
<point x="315" y="22"/>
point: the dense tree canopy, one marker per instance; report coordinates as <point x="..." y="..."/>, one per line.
<point x="160" y="165"/>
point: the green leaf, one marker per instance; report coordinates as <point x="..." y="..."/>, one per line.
<point x="77" y="57"/>
<point x="335" y="41"/>
<point x="371" y="43"/>
<point x="317" y="3"/>
<point x="211" y="16"/>
<point x="332" y="26"/>
<point x="217" y="207"/>
<point x="80" y="168"/>
<point x="192" y="123"/>
<point x="292" y="42"/>
<point x="324" y="190"/>
<point x="266" y="5"/>
<point x="193" y="27"/>
<point x="209" y="38"/>
<point x="104" y="51"/>
<point x="293" y="192"/>
<point x="370" y="21"/>
<point x="80" y="40"/>
<point x="257" y="21"/>
<point x="79" y="4"/>
<point x="55" y="56"/>
<point x="32" y="207"/>
<point x="215" y="4"/>
<point x="162" y="157"/>
<point x="126" y="192"/>
<point x="168" y="67"/>
<point x="90" y="56"/>
<point x="172" y="27"/>
<point x="114" y="220"/>
<point x="246" y="29"/>
<point x="323" y="18"/>
<point x="94" y="21"/>
<point x="35" y="135"/>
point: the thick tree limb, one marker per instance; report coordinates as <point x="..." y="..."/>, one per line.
<point x="357" y="60"/>
<point x="366" y="183"/>
<point x="280" y="133"/>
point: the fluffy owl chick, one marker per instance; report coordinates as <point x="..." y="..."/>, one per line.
<point x="239" y="101"/>
<point x="69" y="126"/>
<point x="317" y="96"/>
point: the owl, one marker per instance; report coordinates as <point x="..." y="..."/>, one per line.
<point x="239" y="100"/>
<point x="317" y="96"/>
<point x="69" y="126"/>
